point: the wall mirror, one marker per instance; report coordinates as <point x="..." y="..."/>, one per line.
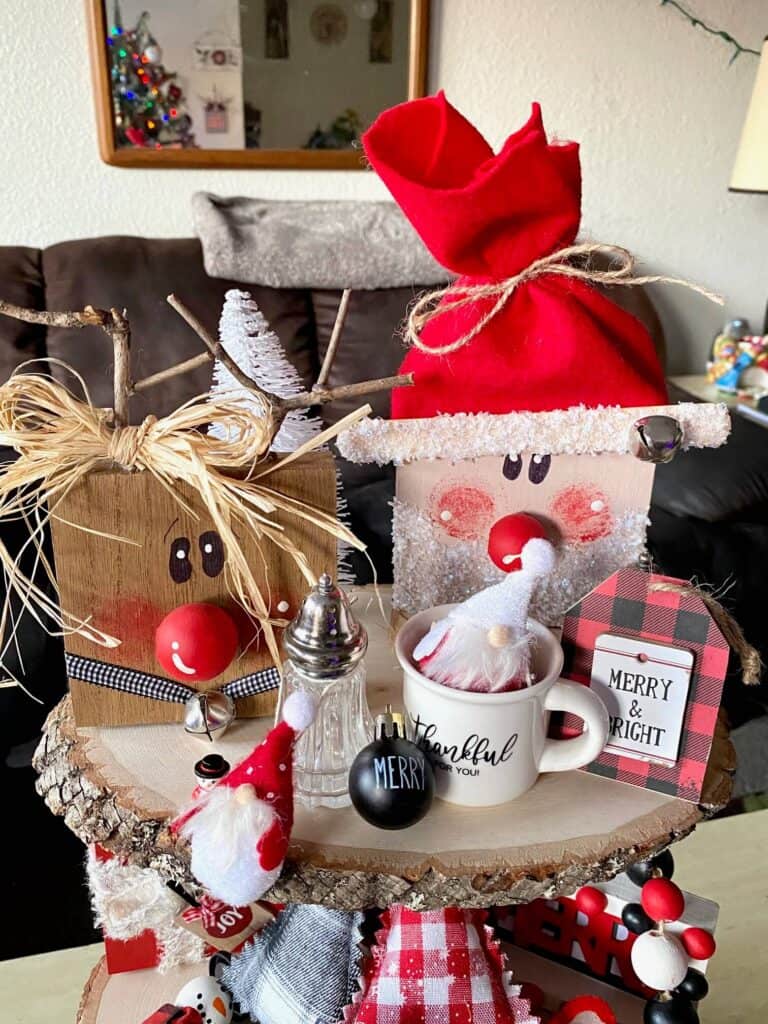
<point x="250" y="83"/>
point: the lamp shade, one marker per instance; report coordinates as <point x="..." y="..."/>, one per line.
<point x="750" y="172"/>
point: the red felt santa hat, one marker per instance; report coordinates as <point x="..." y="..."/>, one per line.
<point x="239" y="831"/>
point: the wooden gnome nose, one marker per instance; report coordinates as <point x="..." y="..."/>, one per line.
<point x="196" y="642"/>
<point x="508" y="537"/>
<point x="245" y="794"/>
<point x="498" y="636"/>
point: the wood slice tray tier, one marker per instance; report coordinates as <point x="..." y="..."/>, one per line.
<point x="121" y="786"/>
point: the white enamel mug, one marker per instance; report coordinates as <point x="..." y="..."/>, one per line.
<point x="487" y="748"/>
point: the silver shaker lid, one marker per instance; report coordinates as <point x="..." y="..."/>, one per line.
<point x="325" y="640"/>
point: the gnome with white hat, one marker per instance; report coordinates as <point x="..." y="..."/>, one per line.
<point x="484" y="644"/>
<point x="239" y="831"/>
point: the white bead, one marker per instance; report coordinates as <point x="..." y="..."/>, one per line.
<point x="597" y="505"/>
<point x="659" y="960"/>
<point x="283" y="606"/>
<point x="446" y="515"/>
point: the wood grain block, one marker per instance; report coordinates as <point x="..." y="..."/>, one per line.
<point x="126" y="588"/>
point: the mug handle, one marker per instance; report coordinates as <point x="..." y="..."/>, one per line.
<point x="565" y="755"/>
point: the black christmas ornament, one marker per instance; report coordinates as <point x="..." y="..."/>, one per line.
<point x="665" y="1010"/>
<point x="635" y="919"/>
<point x="694" y="985"/>
<point x="391" y="782"/>
<point x="662" y="865"/>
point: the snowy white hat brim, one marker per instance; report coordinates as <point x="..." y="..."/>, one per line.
<point x="575" y="431"/>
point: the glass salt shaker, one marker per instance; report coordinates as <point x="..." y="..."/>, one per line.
<point x="325" y="648"/>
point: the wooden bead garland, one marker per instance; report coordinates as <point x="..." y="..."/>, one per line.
<point x="659" y="960"/>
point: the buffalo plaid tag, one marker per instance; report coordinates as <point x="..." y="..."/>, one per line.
<point x="627" y="605"/>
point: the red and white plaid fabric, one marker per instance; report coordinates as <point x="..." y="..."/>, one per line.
<point x="437" y="967"/>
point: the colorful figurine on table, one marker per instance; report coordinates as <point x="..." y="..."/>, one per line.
<point x="739" y="359"/>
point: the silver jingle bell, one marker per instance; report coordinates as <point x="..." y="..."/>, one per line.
<point x="209" y="714"/>
<point x="655" y="439"/>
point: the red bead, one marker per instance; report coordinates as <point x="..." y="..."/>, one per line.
<point x="662" y="900"/>
<point x="509" y="536"/>
<point x="699" y="944"/>
<point x="196" y="642"/>
<point x="590" y="900"/>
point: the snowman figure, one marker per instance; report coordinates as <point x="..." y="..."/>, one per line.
<point x="209" y="997"/>
<point x="484" y="644"/>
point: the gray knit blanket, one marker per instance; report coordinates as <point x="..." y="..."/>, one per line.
<point x="316" y="244"/>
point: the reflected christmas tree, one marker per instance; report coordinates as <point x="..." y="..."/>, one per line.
<point x="146" y="99"/>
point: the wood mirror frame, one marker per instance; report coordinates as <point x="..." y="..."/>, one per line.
<point x="306" y="159"/>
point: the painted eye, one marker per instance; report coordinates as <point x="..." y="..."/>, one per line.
<point x="212" y="550"/>
<point x="512" y="466"/>
<point x="538" y="468"/>
<point x="179" y="565"/>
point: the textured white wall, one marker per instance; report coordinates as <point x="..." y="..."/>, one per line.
<point x="653" y="102"/>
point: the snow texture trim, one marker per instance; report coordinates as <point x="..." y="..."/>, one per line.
<point x="575" y="431"/>
<point x="128" y="900"/>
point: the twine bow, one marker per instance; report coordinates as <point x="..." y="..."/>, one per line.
<point x="558" y="263"/>
<point x="60" y="439"/>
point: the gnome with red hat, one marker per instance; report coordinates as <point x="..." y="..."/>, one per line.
<point x="239" y="831"/>
<point x="534" y="395"/>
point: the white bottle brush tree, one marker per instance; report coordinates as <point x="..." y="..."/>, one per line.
<point x="247" y="337"/>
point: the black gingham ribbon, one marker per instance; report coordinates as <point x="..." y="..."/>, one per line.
<point x="144" y="684"/>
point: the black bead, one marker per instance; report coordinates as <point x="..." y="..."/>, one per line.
<point x="677" y="1010"/>
<point x="391" y="783"/>
<point x="635" y="919"/>
<point x="693" y="986"/>
<point x="644" y="870"/>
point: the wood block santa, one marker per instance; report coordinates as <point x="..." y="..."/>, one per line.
<point x="533" y="392"/>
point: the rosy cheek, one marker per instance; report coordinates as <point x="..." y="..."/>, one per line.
<point x="132" y="619"/>
<point x="582" y="512"/>
<point x="465" y="513"/>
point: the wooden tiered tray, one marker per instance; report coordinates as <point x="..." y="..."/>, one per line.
<point x="121" y="786"/>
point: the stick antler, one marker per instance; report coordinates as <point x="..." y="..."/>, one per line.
<point x="115" y="324"/>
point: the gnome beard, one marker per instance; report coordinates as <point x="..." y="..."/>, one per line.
<point x="484" y="644"/>
<point x="466" y="660"/>
<point x="224" y="835"/>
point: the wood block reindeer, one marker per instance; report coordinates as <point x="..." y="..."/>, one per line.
<point x="179" y="555"/>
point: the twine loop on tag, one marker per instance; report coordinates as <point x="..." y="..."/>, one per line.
<point x="561" y="263"/>
<point x="751" y="663"/>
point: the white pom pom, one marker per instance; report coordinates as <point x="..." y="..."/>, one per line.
<point x="299" y="710"/>
<point x="538" y="557"/>
<point x="659" y="960"/>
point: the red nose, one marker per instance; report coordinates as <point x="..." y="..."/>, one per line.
<point x="509" y="536"/>
<point x="196" y="642"/>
